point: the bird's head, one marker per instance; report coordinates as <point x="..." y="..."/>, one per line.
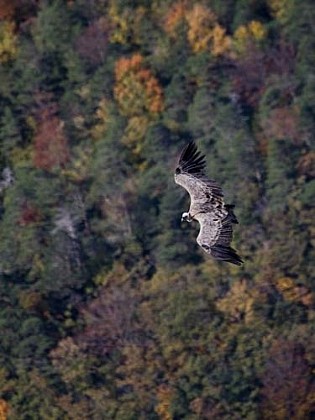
<point x="186" y="217"/>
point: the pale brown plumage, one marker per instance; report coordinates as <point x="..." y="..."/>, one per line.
<point x="207" y="206"/>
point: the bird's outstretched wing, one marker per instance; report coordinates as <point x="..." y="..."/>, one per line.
<point x="215" y="236"/>
<point x="190" y="174"/>
<point x="207" y="206"/>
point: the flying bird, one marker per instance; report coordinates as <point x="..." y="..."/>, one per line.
<point x="207" y="206"/>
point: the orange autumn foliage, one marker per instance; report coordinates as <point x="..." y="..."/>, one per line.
<point x="201" y="22"/>
<point x="136" y="89"/>
<point x="294" y="292"/>
<point x="174" y="17"/>
<point x="4" y="409"/>
<point x="204" y="31"/>
<point x="164" y="396"/>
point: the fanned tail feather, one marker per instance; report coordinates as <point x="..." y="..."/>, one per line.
<point x="226" y="253"/>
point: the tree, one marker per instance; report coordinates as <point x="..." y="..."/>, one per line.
<point x="50" y="143"/>
<point x="10" y="131"/>
<point x="52" y="19"/>
<point x="136" y="89"/>
<point x="4" y="408"/>
<point x="8" y="41"/>
<point x="287" y="390"/>
<point x="92" y="43"/>
<point x="108" y="308"/>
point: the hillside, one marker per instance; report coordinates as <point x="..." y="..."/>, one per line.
<point x="108" y="308"/>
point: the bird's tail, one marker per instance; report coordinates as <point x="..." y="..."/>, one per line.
<point x="231" y="216"/>
<point x="226" y="253"/>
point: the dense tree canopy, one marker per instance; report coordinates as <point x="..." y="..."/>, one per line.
<point x="108" y="309"/>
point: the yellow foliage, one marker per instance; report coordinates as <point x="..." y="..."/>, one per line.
<point x="137" y="90"/>
<point x="102" y="117"/>
<point x="78" y="169"/>
<point x="139" y="97"/>
<point x="201" y="22"/>
<point x="4" y="409"/>
<point x="164" y="397"/>
<point x="139" y="369"/>
<point x="241" y="33"/>
<point x="244" y="34"/>
<point x="279" y="8"/>
<point x="306" y="165"/>
<point x="135" y="132"/>
<point x="31" y="122"/>
<point x="29" y="300"/>
<point x="78" y="121"/>
<point x="125" y="25"/>
<point x="221" y="43"/>
<point x="204" y="32"/>
<point x="84" y="92"/>
<point x="292" y="292"/>
<point x="101" y="112"/>
<point x="130" y="94"/>
<point x="120" y="25"/>
<point x="38" y="267"/>
<point x="238" y="302"/>
<point x="69" y="360"/>
<point x="102" y="278"/>
<point x="257" y="30"/>
<point x="284" y="284"/>
<point x="8" y="41"/>
<point x="22" y="157"/>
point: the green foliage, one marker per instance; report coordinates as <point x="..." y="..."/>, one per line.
<point x="10" y="132"/>
<point x="52" y="28"/>
<point x="108" y="308"/>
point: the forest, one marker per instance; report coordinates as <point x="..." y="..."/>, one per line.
<point x="108" y="307"/>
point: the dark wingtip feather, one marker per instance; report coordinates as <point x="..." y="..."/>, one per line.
<point x="226" y="253"/>
<point x="191" y="160"/>
<point x="231" y="216"/>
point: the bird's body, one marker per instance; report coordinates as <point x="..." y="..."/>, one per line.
<point x="207" y="206"/>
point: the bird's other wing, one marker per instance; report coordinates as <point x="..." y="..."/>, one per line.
<point x="190" y="175"/>
<point x="215" y="236"/>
